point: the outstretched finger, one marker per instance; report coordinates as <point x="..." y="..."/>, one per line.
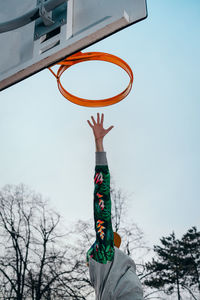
<point x="89" y="123"/>
<point x="102" y="118"/>
<point x="97" y="118"/>
<point x="111" y="127"/>
<point x="93" y="120"/>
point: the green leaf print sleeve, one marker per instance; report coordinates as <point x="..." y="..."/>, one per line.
<point x="103" y="249"/>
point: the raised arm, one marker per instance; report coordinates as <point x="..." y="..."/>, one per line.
<point x="103" y="249"/>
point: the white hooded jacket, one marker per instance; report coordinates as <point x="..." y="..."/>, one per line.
<point x="116" y="280"/>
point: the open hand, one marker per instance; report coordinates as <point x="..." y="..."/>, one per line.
<point x="97" y="127"/>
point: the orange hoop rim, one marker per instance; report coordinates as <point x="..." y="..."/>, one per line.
<point x="89" y="56"/>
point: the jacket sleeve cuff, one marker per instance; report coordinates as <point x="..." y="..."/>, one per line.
<point x="101" y="159"/>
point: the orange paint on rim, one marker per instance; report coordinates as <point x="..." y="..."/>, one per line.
<point x="88" y="56"/>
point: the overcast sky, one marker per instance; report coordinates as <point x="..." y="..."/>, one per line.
<point x="153" y="150"/>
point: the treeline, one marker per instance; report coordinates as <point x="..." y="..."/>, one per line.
<point x="39" y="259"/>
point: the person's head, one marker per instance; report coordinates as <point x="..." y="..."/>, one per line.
<point x="117" y="240"/>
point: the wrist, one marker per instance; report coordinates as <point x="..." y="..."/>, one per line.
<point x="99" y="145"/>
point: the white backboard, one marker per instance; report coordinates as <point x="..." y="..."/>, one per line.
<point x="77" y="24"/>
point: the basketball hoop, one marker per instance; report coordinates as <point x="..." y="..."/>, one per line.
<point x="88" y="56"/>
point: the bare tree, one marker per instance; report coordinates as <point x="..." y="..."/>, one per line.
<point x="133" y="243"/>
<point x="34" y="262"/>
<point x="82" y="238"/>
<point x="15" y="218"/>
<point x="119" y="206"/>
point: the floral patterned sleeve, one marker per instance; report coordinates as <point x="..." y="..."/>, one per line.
<point x="103" y="249"/>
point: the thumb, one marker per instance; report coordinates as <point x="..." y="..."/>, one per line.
<point x="111" y="127"/>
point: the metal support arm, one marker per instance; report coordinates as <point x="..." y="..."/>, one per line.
<point x="45" y="15"/>
<point x="32" y="15"/>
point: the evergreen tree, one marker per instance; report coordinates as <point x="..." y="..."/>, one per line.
<point x="177" y="265"/>
<point x="166" y="272"/>
<point x="190" y="251"/>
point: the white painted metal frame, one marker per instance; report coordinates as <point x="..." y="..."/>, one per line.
<point x="88" y="21"/>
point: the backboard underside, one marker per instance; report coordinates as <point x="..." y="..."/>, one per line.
<point x="77" y="25"/>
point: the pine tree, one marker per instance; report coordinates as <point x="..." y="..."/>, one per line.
<point x="177" y="265"/>
<point x="190" y="251"/>
<point x="166" y="271"/>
